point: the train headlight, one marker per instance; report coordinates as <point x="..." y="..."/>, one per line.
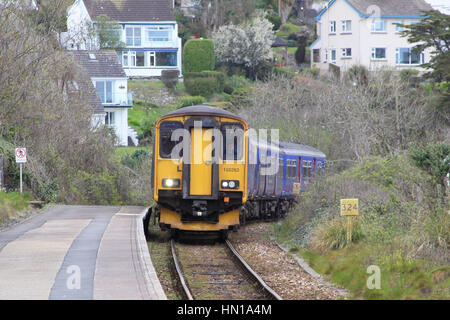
<point x="230" y="184"/>
<point x="170" y="183"/>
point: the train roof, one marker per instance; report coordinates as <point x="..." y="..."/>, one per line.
<point x="290" y="148"/>
<point x="203" y="110"/>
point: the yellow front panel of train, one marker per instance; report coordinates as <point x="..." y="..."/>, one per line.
<point x="201" y="165"/>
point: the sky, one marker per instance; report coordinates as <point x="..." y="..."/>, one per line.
<point x="441" y="5"/>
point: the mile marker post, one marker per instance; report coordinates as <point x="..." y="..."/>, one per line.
<point x="349" y="208"/>
<point x="21" y="158"/>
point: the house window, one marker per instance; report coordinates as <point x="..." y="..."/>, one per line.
<point x="166" y="59"/>
<point x="407" y="56"/>
<point x="159" y="33"/>
<point x="104" y="91"/>
<point x="397" y="27"/>
<point x="378" y="53"/>
<point x="333" y="55"/>
<point x="140" y="59"/>
<point x="332" y="26"/>
<point x="109" y="118"/>
<point x="326" y="56"/>
<point x="378" y="26"/>
<point x="129" y="58"/>
<point x="316" y="55"/>
<point x="133" y="35"/>
<point x="152" y="56"/>
<point x="346" y="52"/>
<point x="346" y="26"/>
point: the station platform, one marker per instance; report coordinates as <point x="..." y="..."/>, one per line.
<point x="78" y="253"/>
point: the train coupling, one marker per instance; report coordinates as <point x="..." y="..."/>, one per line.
<point x="199" y="208"/>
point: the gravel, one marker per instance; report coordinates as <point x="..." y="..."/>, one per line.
<point x="278" y="269"/>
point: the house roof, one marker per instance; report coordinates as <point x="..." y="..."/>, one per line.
<point x="277" y="42"/>
<point x="81" y="85"/>
<point x="99" y="63"/>
<point x="387" y="8"/>
<point x="130" y="10"/>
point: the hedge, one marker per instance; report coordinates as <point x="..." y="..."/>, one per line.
<point x="204" y="83"/>
<point x="198" y="55"/>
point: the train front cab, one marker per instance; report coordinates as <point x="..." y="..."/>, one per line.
<point x="207" y="192"/>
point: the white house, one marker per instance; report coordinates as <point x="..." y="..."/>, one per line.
<point x="111" y="85"/>
<point x="365" y="32"/>
<point x="148" y="29"/>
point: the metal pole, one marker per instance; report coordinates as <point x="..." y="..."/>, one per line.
<point x="21" y="187"/>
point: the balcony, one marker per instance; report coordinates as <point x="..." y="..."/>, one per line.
<point x="117" y="99"/>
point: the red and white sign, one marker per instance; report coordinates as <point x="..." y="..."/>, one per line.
<point x="21" y="155"/>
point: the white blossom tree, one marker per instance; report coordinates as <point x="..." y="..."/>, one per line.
<point x="247" y="45"/>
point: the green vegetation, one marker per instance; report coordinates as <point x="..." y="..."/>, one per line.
<point x="198" y="55"/>
<point x="190" y="101"/>
<point x="402" y="228"/>
<point x="13" y="203"/>
<point x="205" y="83"/>
<point x="287" y="29"/>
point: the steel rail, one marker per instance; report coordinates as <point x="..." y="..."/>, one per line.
<point x="186" y="290"/>
<point x="270" y="293"/>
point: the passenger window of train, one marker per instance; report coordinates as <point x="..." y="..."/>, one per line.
<point x="307" y="169"/>
<point x="291" y="168"/>
<point x="233" y="141"/>
<point x="166" y="144"/>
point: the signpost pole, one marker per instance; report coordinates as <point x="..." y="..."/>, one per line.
<point x="21" y="184"/>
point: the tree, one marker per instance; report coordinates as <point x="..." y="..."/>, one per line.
<point x="108" y="33"/>
<point x="247" y="45"/>
<point x="435" y="159"/>
<point x="284" y="9"/>
<point x="433" y="32"/>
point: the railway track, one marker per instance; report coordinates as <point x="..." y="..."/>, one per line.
<point x="217" y="272"/>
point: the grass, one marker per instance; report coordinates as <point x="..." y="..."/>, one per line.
<point x="120" y="152"/>
<point x="405" y="235"/>
<point x="401" y="278"/>
<point x="287" y="29"/>
<point x="12" y="203"/>
<point x="139" y="112"/>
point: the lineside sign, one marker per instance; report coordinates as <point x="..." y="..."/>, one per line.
<point x="21" y="155"/>
<point x="349" y="207"/>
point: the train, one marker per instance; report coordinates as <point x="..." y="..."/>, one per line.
<point x="211" y="172"/>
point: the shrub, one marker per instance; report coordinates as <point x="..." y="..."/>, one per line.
<point x="358" y="74"/>
<point x="237" y="82"/>
<point x="300" y="54"/>
<point x="200" y="87"/>
<point x="407" y="74"/>
<point x="190" y="101"/>
<point x="240" y="96"/>
<point x="147" y="128"/>
<point x="276" y="21"/>
<point x="198" y="55"/>
<point x="134" y="160"/>
<point x="170" y="78"/>
<point x="204" y="83"/>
